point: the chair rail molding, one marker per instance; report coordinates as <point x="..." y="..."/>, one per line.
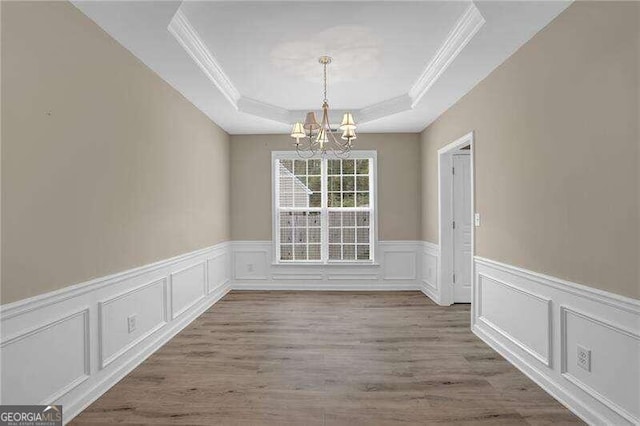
<point x="538" y="322"/>
<point x="95" y="344"/>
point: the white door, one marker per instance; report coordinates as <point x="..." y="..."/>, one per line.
<point x="462" y="216"/>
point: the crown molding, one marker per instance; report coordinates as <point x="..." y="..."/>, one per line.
<point x="187" y="36"/>
<point x="382" y="109"/>
<point x="467" y="26"/>
<point x="264" y="110"/>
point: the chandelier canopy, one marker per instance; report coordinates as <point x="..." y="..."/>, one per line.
<point x="312" y="137"/>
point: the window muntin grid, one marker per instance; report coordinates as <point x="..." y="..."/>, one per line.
<point x="324" y="209"/>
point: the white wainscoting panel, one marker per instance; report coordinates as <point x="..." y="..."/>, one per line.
<point x="615" y="353"/>
<point x="537" y="322"/>
<point x="188" y="286"/>
<point x="70" y="346"/>
<point x="41" y="364"/>
<point x="430" y="271"/>
<point x="148" y="303"/>
<point x="517" y="314"/>
<point x="398" y="269"/>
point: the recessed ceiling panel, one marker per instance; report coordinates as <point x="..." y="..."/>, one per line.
<point x="270" y="50"/>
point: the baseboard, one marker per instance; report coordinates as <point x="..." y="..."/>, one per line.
<point x="85" y="328"/>
<point x="538" y="322"/>
<point x="301" y="286"/>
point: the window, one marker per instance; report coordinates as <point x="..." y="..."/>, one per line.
<point x="324" y="208"/>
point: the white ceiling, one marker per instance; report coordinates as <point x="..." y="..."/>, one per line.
<point x="252" y="66"/>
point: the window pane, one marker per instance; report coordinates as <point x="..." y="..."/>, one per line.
<point x="362" y="167"/>
<point x="334" y="199"/>
<point x="348" y="199"/>
<point x="349" y="235"/>
<point x="349" y="252"/>
<point x="314" y="235"/>
<point x="286" y="235"/>
<point x="347" y="183"/>
<point x="314" y="167"/>
<point x="334" y="183"/>
<point x="363" y="183"/>
<point x="286" y="219"/>
<point x="348" y="218"/>
<point x="334" y="219"/>
<point x="348" y="167"/>
<point x="314" y="252"/>
<point x="335" y="235"/>
<point x="363" y="235"/>
<point x="314" y="184"/>
<point x="300" y="219"/>
<point x="286" y="252"/>
<point x="300" y="235"/>
<point x="314" y="219"/>
<point x="335" y="253"/>
<point x="333" y="167"/>
<point x="300" y="167"/>
<point x="287" y="164"/>
<point x="315" y="200"/>
<point x="362" y="199"/>
<point x="362" y="218"/>
<point x="300" y="252"/>
<point x="363" y="252"/>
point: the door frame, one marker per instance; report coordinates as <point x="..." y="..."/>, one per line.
<point x="445" y="215"/>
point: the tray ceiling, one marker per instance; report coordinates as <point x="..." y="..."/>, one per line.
<point x="252" y="66"/>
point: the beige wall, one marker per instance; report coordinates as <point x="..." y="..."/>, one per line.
<point x="398" y="184"/>
<point x="557" y="144"/>
<point x="104" y="166"/>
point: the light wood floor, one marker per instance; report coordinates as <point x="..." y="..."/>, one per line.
<point x="327" y="358"/>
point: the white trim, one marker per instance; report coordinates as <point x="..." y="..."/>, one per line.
<point x="605" y="323"/>
<point x="371" y="155"/>
<point x="467" y="26"/>
<point x="611" y="299"/>
<point x="544" y="358"/>
<point x="385" y="108"/>
<point x="27" y="318"/>
<point x="106" y="360"/>
<point x="564" y="310"/>
<point x="445" y="232"/>
<point x="188" y="37"/>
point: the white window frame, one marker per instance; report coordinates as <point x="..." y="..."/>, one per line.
<point x="373" y="209"/>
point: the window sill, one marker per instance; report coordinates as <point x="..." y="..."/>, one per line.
<point x="338" y="264"/>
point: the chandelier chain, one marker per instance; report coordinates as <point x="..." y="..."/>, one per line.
<point x="325" y="82"/>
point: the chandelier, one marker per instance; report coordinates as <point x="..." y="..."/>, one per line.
<point x="312" y="137"/>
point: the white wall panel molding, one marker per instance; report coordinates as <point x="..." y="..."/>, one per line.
<point x="516" y="311"/>
<point x="84" y="330"/>
<point x="35" y="350"/>
<point x="430" y="272"/>
<point x="398" y="269"/>
<point x="519" y="315"/>
<point x="147" y="302"/>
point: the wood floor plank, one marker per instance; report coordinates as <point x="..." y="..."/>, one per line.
<point x="326" y="358"/>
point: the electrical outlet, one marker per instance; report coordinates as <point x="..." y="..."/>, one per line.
<point x="131" y="323"/>
<point x="476" y="219"/>
<point x="250" y="267"/>
<point x="584" y="358"/>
